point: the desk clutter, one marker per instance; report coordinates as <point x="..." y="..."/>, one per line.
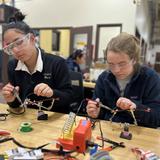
<point x="21" y="153"/>
<point x="76" y="137"/>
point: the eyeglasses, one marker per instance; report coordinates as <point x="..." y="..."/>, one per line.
<point x="120" y="65"/>
<point x="20" y="43"/>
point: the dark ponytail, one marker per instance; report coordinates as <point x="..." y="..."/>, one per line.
<point x="16" y="22"/>
<point x="77" y="53"/>
<point x="18" y="17"/>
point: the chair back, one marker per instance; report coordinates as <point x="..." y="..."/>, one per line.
<point x="77" y="89"/>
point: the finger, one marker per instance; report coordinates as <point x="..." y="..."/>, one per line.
<point x="123" y="103"/>
<point x="97" y="100"/>
<point x="91" y="105"/>
<point x="90" y="102"/>
<point x="119" y="101"/>
<point x="7" y="90"/>
<point x="8" y="96"/>
<point x="126" y="105"/>
<point x="92" y="113"/>
<point x="17" y="88"/>
<point x="47" y="92"/>
<point x="133" y="106"/>
<point x="44" y="91"/>
<point x="6" y="93"/>
<point x="39" y="88"/>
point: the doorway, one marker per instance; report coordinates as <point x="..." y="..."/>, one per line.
<point x="81" y="38"/>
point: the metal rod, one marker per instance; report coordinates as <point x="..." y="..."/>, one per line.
<point x="106" y="107"/>
<point x="135" y="121"/>
<point x="15" y="93"/>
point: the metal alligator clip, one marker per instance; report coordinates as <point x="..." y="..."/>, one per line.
<point x="106" y="107"/>
<point x="134" y="118"/>
<point x="15" y="93"/>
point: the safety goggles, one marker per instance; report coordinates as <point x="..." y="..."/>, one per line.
<point x="19" y="43"/>
<point x="121" y="65"/>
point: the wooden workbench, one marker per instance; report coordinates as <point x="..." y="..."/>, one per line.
<point x="89" y="84"/>
<point x="47" y="131"/>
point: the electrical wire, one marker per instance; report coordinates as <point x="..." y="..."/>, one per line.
<point x="101" y="132"/>
<point x="80" y="106"/>
<point x="58" y="152"/>
<point x="16" y="113"/>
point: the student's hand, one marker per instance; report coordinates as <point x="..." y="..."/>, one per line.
<point x="43" y="89"/>
<point x="86" y="76"/>
<point x="125" y="103"/>
<point x="92" y="108"/>
<point x="7" y="92"/>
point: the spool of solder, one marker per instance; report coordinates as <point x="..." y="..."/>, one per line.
<point x="26" y="127"/>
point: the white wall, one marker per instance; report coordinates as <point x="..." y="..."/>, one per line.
<point x="143" y="20"/>
<point x="58" y="13"/>
<point x="66" y="13"/>
<point x="143" y="23"/>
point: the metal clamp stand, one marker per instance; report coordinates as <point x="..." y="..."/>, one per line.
<point x="125" y="133"/>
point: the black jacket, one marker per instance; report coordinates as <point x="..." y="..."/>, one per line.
<point x="143" y="90"/>
<point x="72" y="65"/>
<point x="55" y="73"/>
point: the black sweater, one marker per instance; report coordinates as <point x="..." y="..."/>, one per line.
<point x="55" y="74"/>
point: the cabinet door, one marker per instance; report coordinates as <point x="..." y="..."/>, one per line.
<point x="157" y="62"/>
<point x="81" y="38"/>
<point x="46" y="40"/>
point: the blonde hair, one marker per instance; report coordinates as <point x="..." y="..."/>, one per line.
<point x="125" y="43"/>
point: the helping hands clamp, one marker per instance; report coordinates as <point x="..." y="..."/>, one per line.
<point x="115" y="110"/>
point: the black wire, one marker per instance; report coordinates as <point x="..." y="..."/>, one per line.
<point x="80" y="106"/>
<point x="18" y="144"/>
<point x="16" y="112"/>
<point x="93" y="121"/>
<point x="5" y="140"/>
<point x="47" y="99"/>
<point x="100" y="128"/>
<point x="21" y="145"/>
<point x="59" y="152"/>
<point x="29" y="94"/>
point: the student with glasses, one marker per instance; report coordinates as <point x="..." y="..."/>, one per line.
<point x="32" y="72"/>
<point x="127" y="85"/>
